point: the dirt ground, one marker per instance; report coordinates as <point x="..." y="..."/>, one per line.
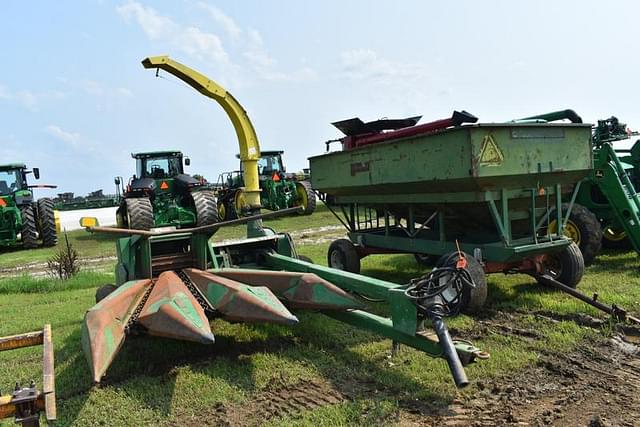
<point x="597" y="384"/>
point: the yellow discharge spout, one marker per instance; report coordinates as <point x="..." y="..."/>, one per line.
<point x="247" y="138"/>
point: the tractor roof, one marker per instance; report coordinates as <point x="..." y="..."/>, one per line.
<point x="271" y="153"/>
<point x="13" y="166"/>
<point x="151" y="154"/>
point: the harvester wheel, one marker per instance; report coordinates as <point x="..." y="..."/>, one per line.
<point x="139" y="213"/>
<point x="47" y="222"/>
<point x="566" y="266"/>
<point x="103" y="291"/>
<point x="472" y="299"/>
<point x="234" y="205"/>
<point x="29" y="230"/>
<point x="426" y="259"/>
<point x="584" y="229"/>
<point x="306" y="197"/>
<point x="342" y="255"/>
<point x="615" y="238"/>
<point x="206" y="207"/>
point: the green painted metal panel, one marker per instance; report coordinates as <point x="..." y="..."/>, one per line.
<point x="473" y="158"/>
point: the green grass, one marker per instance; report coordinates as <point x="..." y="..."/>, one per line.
<point x="158" y="381"/>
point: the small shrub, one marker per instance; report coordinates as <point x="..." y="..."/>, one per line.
<point x="64" y="264"/>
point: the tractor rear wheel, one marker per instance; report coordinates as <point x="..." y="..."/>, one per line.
<point x="583" y="228"/>
<point x="306" y="197"/>
<point x="206" y="207"/>
<point x="472" y="299"/>
<point x="342" y="255"/>
<point x="47" y="222"/>
<point x="139" y="213"/>
<point x="567" y="266"/>
<point x="29" y="230"/>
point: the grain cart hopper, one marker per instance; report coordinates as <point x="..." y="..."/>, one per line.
<point x="170" y="283"/>
<point x="486" y="189"/>
<point x="161" y="194"/>
<point x="22" y="219"/>
<point x="278" y="189"/>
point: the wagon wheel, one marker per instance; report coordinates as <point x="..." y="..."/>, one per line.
<point x="342" y="255"/>
<point x="472" y="299"/>
<point x="566" y="266"/>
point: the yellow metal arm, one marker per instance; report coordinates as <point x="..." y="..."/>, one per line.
<point x="247" y="138"/>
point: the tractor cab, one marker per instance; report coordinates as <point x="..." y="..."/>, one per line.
<point x="13" y="178"/>
<point x="270" y="164"/>
<point x="159" y="165"/>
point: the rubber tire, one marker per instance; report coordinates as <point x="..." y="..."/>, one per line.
<point x="473" y="299"/>
<point x="139" y="213"/>
<point x="311" y="197"/>
<point x="590" y="231"/>
<point x="206" y="207"/>
<point x="29" y="230"/>
<point x="616" y="244"/>
<point x="222" y="211"/>
<point x="426" y="260"/>
<point x="347" y="254"/>
<point x="305" y="259"/>
<point x="103" y="291"/>
<point x="571" y="266"/>
<point x="47" y="222"/>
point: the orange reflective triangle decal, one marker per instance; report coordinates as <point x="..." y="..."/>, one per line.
<point x="164" y="185"/>
<point x="3" y="203"/>
<point x="275" y="177"/>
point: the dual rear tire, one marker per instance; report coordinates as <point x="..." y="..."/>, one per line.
<point x="38" y="220"/>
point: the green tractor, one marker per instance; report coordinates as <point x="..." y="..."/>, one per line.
<point x="160" y="194"/>
<point x="278" y="189"/>
<point x="22" y="219"/>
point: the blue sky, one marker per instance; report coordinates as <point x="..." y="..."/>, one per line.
<point x="75" y="101"/>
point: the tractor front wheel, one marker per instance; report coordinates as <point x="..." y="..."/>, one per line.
<point x="47" y="222"/>
<point x="614" y="237"/>
<point x="567" y="266"/>
<point x="472" y="299"/>
<point x="139" y="213"/>
<point x="342" y="255"/>
<point x="29" y="230"/>
<point x="206" y="207"/>
<point x="306" y="197"/>
<point x="583" y="228"/>
<point x="235" y="204"/>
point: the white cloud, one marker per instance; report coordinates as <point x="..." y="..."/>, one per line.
<point x="191" y="40"/>
<point x="226" y="22"/>
<point x="72" y="138"/>
<point x="359" y="64"/>
<point x="154" y="25"/>
<point x="27" y="99"/>
<point x="4" y="92"/>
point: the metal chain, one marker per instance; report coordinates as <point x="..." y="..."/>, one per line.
<point x="136" y="313"/>
<point x="206" y="306"/>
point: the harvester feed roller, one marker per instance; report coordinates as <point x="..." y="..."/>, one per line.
<point x="176" y="305"/>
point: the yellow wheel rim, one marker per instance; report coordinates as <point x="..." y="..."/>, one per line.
<point x="303" y="197"/>
<point x="613" y="234"/>
<point x="239" y="202"/>
<point x="571" y="230"/>
<point x="222" y="212"/>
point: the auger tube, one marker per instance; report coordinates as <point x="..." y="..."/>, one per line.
<point x="247" y="138"/>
